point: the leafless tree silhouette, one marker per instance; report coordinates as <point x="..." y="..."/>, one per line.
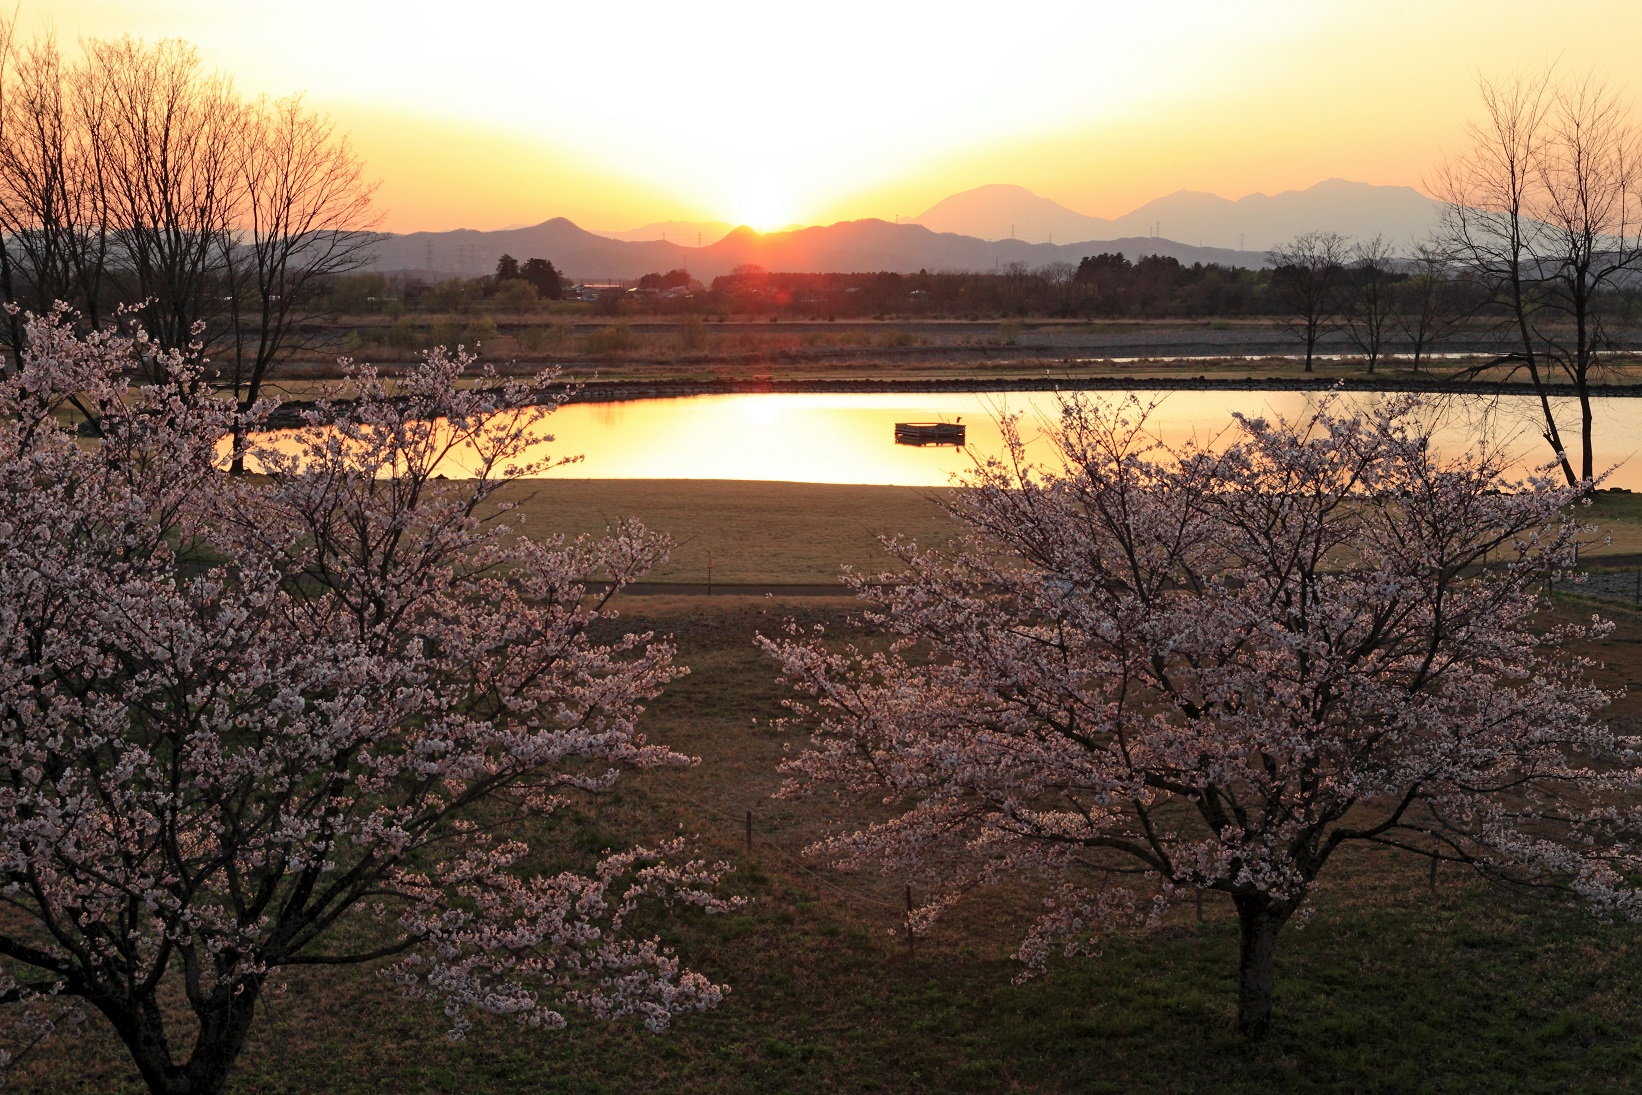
<point x="1545" y="209"/>
<point x="1305" y="274"/>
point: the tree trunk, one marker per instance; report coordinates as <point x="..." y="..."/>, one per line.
<point x="224" y="1026"/>
<point x="1588" y="457"/>
<point x="1259" y="921"/>
<point x="237" y="462"/>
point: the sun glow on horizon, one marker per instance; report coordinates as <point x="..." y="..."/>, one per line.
<point x="764" y="204"/>
<point x="657" y="111"/>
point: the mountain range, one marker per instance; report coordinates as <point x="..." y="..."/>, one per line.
<point x="864" y="245"/>
<point x="968" y="231"/>
<point x="1256" y="222"/>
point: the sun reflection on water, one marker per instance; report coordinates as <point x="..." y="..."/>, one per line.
<point x="828" y="438"/>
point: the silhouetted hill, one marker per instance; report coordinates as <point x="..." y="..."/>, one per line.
<point x="1262" y="221"/>
<point x="572" y="249"/>
<point x="685" y="232"/>
<point x="848" y="246"/>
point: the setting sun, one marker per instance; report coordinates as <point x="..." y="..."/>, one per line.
<point x="763" y="205"/>
<point x="1100" y="106"/>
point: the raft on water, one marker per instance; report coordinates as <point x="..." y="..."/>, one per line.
<point x="929" y="433"/>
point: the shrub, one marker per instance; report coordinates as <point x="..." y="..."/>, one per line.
<point x="617" y="339"/>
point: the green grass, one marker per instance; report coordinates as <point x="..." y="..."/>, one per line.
<point x="1391" y="988"/>
<point x="760" y="533"/>
<point x="804" y="533"/>
<point x="1457" y="993"/>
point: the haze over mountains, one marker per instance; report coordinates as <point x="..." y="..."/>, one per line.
<point x="1257" y="222"/>
<point x="849" y="246"/>
<point x="968" y="231"/>
<point x="689" y="233"/>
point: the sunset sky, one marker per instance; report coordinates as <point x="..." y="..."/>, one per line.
<point x="485" y="113"/>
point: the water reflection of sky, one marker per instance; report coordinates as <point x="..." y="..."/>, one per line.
<point x="850" y="438"/>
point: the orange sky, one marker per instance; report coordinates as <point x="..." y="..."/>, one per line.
<point x="491" y="112"/>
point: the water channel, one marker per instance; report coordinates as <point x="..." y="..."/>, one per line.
<point x="839" y="438"/>
<point x="849" y="438"/>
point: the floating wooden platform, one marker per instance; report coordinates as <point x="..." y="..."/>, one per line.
<point x="929" y="433"/>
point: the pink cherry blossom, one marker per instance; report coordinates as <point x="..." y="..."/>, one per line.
<point x="1154" y="670"/>
<point x="237" y="714"/>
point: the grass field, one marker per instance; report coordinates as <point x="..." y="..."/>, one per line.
<point x="756" y="532"/>
<point x="776" y="534"/>
<point x="308" y="380"/>
<point x="1393" y="987"/>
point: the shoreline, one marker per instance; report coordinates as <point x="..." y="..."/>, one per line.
<point x="289" y="413"/>
<point x="619" y="391"/>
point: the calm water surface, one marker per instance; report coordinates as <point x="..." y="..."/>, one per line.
<point x="850" y="438"/>
<point x="828" y="438"/>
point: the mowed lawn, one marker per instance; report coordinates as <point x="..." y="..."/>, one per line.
<point x="1392" y="987"/>
<point x="755" y="533"/>
<point x="775" y="534"/>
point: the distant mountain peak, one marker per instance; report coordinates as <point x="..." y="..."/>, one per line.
<point x="974" y="230"/>
<point x="1254" y="222"/>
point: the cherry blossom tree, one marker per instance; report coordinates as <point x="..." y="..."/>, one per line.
<point x="1157" y="670"/>
<point x="307" y="720"/>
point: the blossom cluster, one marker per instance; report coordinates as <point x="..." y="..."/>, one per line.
<point x="1155" y="669"/>
<point x="240" y="712"/>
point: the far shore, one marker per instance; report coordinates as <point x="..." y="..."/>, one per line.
<point x="620" y="391"/>
<point x="611" y="391"/>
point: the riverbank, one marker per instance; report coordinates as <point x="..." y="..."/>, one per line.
<point x="694" y="343"/>
<point x="794" y="539"/>
<point x="298" y="395"/>
<point x="612" y="391"/>
<point x="745" y="537"/>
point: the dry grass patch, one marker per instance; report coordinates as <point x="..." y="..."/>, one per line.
<point x="757" y="533"/>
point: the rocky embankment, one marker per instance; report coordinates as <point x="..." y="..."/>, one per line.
<point x="600" y="391"/>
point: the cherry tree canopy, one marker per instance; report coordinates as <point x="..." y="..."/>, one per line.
<point x="1155" y="669"/>
<point x="237" y="715"/>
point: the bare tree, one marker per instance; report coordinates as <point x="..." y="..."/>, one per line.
<point x="1546" y="209"/>
<point x="1368" y="298"/>
<point x="1426" y="301"/>
<point x="1057" y="273"/>
<point x="171" y="168"/>
<point x="137" y="176"/>
<point x="53" y="232"/>
<point x="303" y="215"/>
<point x="1305" y="273"/>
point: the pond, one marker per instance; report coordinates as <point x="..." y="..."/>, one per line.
<point x="843" y="438"/>
<point x="836" y="438"/>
